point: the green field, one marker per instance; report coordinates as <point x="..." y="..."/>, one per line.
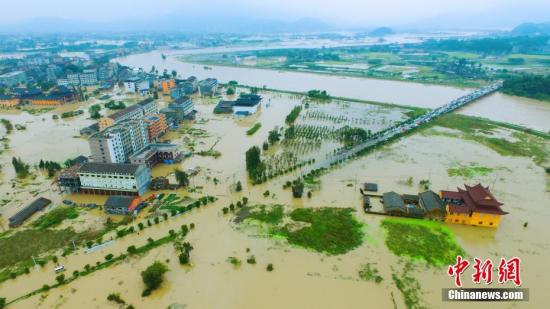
<point x="332" y="231"/>
<point x="421" y="240"/>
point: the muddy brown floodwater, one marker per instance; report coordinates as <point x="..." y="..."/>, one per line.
<point x="499" y="107"/>
<point x="302" y="278"/>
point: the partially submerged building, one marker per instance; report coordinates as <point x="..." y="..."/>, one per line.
<point x="247" y="104"/>
<point x="426" y="204"/>
<point x="224" y="107"/>
<point x="25" y="213"/>
<point x="474" y="205"/>
<point x="114" y="179"/>
<point x="136" y="111"/>
<point x="122" y="205"/>
<point x="432" y="204"/>
<point x="208" y="86"/>
<point x="157" y="153"/>
<point x="156" y="126"/>
<point x="393" y="204"/>
<point x="118" y="142"/>
<point x="178" y="111"/>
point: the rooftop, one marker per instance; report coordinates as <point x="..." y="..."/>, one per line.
<point x="393" y="202"/>
<point x="473" y="199"/>
<point x="125" y="111"/>
<point x="248" y="100"/>
<point x="109" y="168"/>
<point x="431" y="201"/>
<point x="118" y="201"/>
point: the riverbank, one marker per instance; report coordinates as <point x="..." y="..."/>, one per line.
<point x="457" y="84"/>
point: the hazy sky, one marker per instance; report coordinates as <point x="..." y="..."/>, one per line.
<point x="338" y="12"/>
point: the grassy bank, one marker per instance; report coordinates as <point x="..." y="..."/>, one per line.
<point x="304" y="94"/>
<point x="332" y="231"/>
<point x="55" y="217"/>
<point x="254" y="129"/>
<point x="460" y="83"/>
<point x="421" y="240"/>
<point x="102" y="265"/>
<point x="524" y="142"/>
<point x="469" y="171"/>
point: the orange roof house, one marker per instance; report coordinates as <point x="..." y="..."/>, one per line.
<point x="8" y="101"/>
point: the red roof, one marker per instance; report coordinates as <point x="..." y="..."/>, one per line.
<point x="482" y="196"/>
<point x="474" y="199"/>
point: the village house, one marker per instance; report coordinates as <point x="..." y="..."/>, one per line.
<point x="426" y="204"/>
<point x="122" y="205"/>
<point x="473" y="206"/>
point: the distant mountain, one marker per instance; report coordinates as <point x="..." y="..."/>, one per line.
<point x="190" y="23"/>
<point x="532" y="29"/>
<point x="382" y="31"/>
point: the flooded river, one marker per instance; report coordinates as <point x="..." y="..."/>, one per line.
<point x="499" y="107"/>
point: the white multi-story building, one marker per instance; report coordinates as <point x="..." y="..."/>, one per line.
<point x="130" y="85"/>
<point x="73" y="79"/>
<point x="118" y="142"/>
<point x="88" y="77"/>
<point x="119" y="179"/>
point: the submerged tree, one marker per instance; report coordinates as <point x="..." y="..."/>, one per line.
<point x="182" y="177"/>
<point x="20" y="167"/>
<point x="274" y="136"/>
<point x="153" y="276"/>
<point x="254" y="164"/>
<point x="297" y="188"/>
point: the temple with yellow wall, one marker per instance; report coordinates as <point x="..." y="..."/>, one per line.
<point x="474" y="205"/>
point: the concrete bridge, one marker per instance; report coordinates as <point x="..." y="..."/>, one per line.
<point x="411" y="124"/>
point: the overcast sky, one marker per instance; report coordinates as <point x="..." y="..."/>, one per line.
<point x="355" y="13"/>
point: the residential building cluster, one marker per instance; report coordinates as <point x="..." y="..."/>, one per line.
<point x="124" y="149"/>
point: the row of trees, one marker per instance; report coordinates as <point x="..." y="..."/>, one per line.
<point x="528" y="85"/>
<point x="49" y="166"/>
<point x="254" y="165"/>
